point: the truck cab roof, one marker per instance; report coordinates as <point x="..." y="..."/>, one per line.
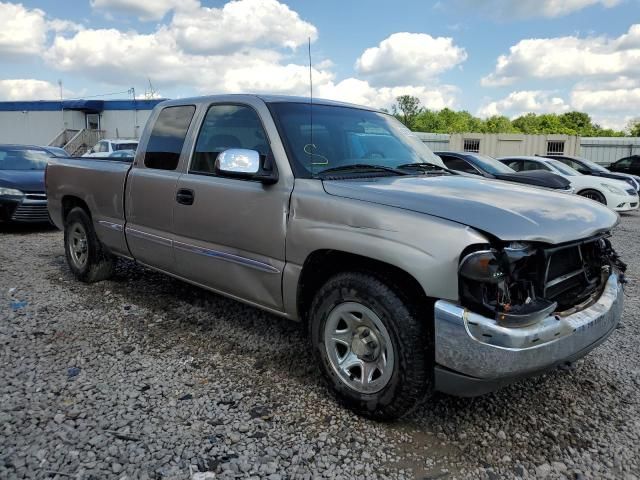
<point x="241" y="97"/>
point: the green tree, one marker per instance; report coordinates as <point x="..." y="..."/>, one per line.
<point x="407" y="109"/>
<point x="634" y="127"/>
<point x="499" y="124"/>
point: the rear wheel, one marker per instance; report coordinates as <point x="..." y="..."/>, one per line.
<point x="593" y="195"/>
<point x="372" y="347"/>
<point x="87" y="258"/>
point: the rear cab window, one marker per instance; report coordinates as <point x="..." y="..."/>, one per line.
<point x="167" y="137"/>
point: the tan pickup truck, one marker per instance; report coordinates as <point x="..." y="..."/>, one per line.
<point x="409" y="277"/>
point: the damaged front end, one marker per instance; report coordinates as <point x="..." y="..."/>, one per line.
<point x="518" y="284"/>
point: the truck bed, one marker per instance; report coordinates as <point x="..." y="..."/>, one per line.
<point x="97" y="183"/>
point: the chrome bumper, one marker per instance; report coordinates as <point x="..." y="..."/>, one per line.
<point x="476" y="346"/>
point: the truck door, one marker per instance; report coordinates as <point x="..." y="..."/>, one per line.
<point x="151" y="189"/>
<point x="230" y="232"/>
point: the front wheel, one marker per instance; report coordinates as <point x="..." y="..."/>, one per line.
<point x="593" y="195"/>
<point x="372" y="348"/>
<point x="87" y="258"/>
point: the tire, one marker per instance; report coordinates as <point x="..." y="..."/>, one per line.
<point x="87" y="258"/>
<point x="593" y="195"/>
<point x="401" y="337"/>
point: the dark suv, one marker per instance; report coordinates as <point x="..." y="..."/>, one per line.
<point x="629" y="165"/>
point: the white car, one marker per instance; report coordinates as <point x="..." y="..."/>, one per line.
<point x="106" y="147"/>
<point x="618" y="195"/>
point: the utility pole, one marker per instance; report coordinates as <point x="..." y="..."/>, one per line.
<point x="61" y="106"/>
<point x="132" y="90"/>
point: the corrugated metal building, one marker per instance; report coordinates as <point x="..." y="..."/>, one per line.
<point x="45" y="122"/>
<point x="502" y="144"/>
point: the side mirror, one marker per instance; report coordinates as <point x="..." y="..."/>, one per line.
<point x="244" y="163"/>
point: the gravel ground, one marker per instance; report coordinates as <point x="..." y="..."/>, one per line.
<point x="146" y="377"/>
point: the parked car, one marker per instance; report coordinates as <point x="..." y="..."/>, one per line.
<point x="22" y="192"/>
<point x="106" y="147"/>
<point x="587" y="167"/>
<point x="489" y="167"/>
<point x="55" y="151"/>
<point x="629" y="165"/>
<point x="408" y="278"/>
<point x="125" y="155"/>
<point x="618" y="195"/>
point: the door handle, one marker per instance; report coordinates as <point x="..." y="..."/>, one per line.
<point x="185" y="196"/>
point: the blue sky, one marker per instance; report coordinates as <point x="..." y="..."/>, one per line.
<point x="486" y="56"/>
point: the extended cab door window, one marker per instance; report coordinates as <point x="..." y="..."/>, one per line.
<point x="167" y="137"/>
<point x="224" y="127"/>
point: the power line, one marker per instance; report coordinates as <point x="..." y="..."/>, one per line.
<point x="101" y="95"/>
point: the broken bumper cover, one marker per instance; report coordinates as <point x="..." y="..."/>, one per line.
<point x="475" y="355"/>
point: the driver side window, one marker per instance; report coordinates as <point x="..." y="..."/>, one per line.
<point x="225" y="127"/>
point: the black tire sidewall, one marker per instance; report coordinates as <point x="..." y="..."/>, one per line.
<point x="78" y="215"/>
<point x="601" y="198"/>
<point x="410" y="380"/>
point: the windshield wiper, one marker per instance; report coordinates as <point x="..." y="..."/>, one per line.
<point x="425" y="167"/>
<point x="362" y="167"/>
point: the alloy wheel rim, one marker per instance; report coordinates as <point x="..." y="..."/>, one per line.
<point x="593" y="196"/>
<point x="359" y="347"/>
<point x="78" y="246"/>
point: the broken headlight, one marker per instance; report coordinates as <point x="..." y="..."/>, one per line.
<point x="504" y="283"/>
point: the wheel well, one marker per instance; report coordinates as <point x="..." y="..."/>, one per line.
<point x="594" y="190"/>
<point x="69" y="203"/>
<point x="323" y="264"/>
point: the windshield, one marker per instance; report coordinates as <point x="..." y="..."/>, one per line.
<point x="593" y="165"/>
<point x="491" y="165"/>
<point x="344" y="136"/>
<point x="23" y="159"/>
<point x="125" y="146"/>
<point x="562" y="168"/>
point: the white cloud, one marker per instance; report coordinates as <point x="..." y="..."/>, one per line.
<point x="409" y="58"/>
<point x="23" y="30"/>
<point x="568" y="57"/>
<point x="361" y="92"/>
<point x="30" y="89"/>
<point x="619" y="100"/>
<point x="525" y="101"/>
<point x="240" y="23"/>
<point x="535" y="8"/>
<point x="143" y="9"/>
<point x="242" y="46"/>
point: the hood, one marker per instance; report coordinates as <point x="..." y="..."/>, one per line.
<point x="539" y="178"/>
<point x="507" y="211"/>
<point x="25" y="180"/>
<point x="624" y="177"/>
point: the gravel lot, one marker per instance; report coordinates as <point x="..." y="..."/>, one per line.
<point x="146" y="377"/>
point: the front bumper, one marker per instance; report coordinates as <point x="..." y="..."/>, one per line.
<point x="625" y="203"/>
<point x="25" y="210"/>
<point x="475" y="355"/>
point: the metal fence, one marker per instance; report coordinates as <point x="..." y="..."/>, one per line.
<point x="606" y="150"/>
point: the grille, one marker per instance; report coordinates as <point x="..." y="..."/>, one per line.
<point x="572" y="272"/>
<point x="31" y="213"/>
